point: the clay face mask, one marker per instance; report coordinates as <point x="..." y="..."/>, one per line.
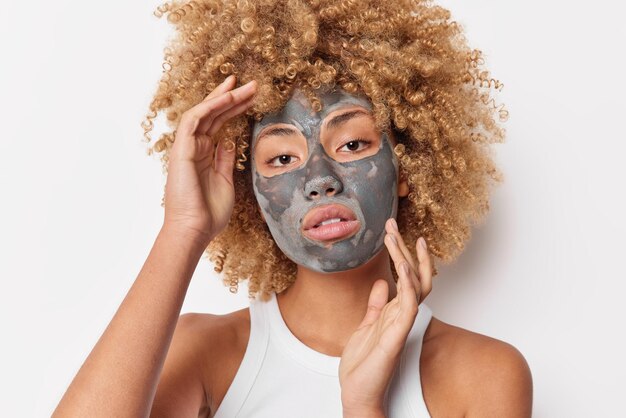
<point x="324" y="193"/>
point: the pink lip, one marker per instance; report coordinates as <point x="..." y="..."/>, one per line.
<point x="347" y="227"/>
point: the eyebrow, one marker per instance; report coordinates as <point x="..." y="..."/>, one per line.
<point x="339" y="120"/>
<point x="282" y="131"/>
<point x="333" y="123"/>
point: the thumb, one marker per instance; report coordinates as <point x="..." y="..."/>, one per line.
<point x="375" y="304"/>
<point x="225" y="160"/>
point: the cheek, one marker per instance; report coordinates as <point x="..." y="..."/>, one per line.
<point x="376" y="187"/>
<point x="372" y="176"/>
<point x="373" y="183"/>
<point x="275" y="194"/>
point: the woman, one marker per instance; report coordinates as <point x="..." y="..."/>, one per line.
<point x="349" y="116"/>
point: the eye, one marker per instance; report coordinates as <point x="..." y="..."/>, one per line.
<point x="280" y="160"/>
<point x="356" y="145"/>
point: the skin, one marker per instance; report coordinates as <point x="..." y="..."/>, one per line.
<point x="365" y="181"/>
<point x="119" y="377"/>
<point x="151" y="362"/>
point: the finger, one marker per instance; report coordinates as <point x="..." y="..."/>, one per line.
<point x="185" y="145"/>
<point x="230" y="113"/>
<point x="392" y="228"/>
<point x="205" y="147"/>
<point x="225" y="155"/>
<point x="188" y="124"/>
<point x="425" y="268"/>
<point x="206" y="151"/>
<point x="377" y="300"/>
<point x="398" y="257"/>
<point x="192" y="118"/>
<point x="225" y="161"/>
<point x="394" y="250"/>
<point x="222" y="103"/>
<point x="227" y="84"/>
<point x="200" y="148"/>
<point x="408" y="301"/>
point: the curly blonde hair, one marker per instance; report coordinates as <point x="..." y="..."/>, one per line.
<point x="406" y="56"/>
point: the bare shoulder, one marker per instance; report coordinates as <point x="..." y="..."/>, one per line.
<point x="483" y="376"/>
<point x="204" y="350"/>
<point x="215" y="334"/>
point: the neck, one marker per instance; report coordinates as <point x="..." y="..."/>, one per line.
<point x="323" y="309"/>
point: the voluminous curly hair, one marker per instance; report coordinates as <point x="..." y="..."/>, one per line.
<point x="407" y="57"/>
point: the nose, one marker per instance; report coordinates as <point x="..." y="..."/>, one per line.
<point x="321" y="177"/>
<point x="317" y="187"/>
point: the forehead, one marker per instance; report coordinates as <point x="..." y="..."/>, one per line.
<point x="298" y="111"/>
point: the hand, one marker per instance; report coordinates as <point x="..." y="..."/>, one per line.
<point x="199" y="192"/>
<point x="421" y="274"/>
<point x="371" y="355"/>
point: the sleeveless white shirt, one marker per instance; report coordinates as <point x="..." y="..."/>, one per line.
<point x="280" y="376"/>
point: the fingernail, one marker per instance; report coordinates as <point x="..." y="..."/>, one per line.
<point x="393" y="239"/>
<point x="422" y="242"/>
<point x="394" y="224"/>
<point x="227" y="79"/>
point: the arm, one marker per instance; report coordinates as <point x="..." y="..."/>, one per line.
<point x="120" y="375"/>
<point x="182" y="390"/>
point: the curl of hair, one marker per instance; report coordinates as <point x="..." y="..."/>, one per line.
<point x="407" y="56"/>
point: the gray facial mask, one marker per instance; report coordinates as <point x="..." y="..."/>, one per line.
<point x="367" y="186"/>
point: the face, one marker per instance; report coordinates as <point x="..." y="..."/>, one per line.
<point x="325" y="182"/>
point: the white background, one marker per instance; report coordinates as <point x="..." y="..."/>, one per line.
<point x="81" y="200"/>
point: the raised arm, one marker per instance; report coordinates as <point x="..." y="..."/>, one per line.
<point x="120" y="375"/>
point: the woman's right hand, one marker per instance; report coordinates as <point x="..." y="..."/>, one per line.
<point x="199" y="192"/>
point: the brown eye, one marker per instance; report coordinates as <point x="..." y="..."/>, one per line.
<point x="281" y="160"/>
<point x="356" y="145"/>
<point x="353" y="145"/>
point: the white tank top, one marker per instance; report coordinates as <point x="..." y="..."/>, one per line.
<point x="280" y="376"/>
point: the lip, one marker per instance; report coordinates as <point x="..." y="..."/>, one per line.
<point x="347" y="227"/>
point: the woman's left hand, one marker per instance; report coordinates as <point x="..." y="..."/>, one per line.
<point x="372" y="352"/>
